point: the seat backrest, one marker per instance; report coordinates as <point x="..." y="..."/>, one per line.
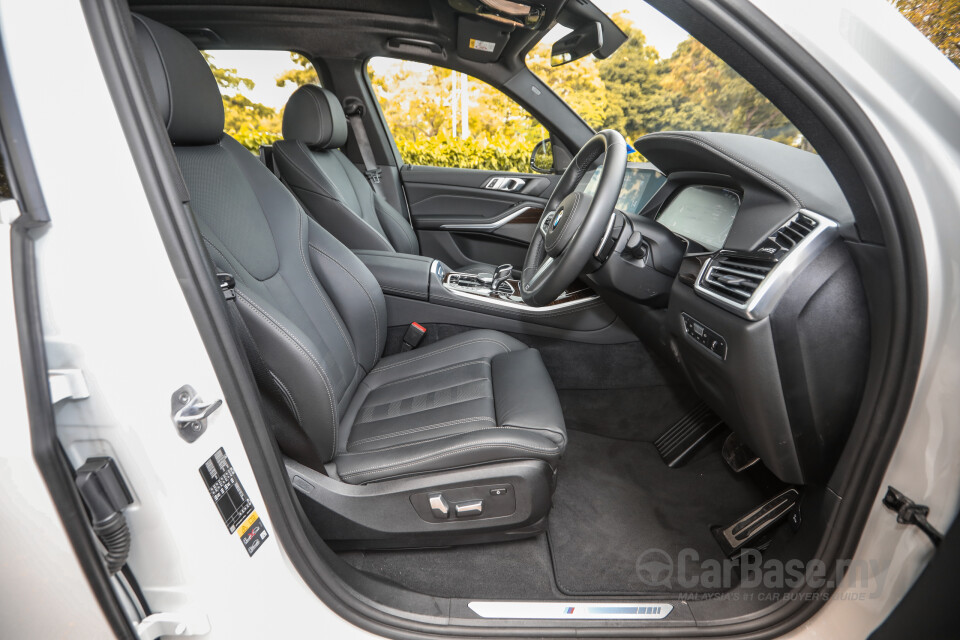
<point x="314" y="310"/>
<point x="334" y="192"/>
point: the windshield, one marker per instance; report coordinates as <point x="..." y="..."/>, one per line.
<point x="660" y="79"/>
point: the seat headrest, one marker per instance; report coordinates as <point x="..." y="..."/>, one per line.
<point x="184" y="87"/>
<point x="314" y="116"/>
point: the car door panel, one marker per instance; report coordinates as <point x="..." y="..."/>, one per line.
<point x="460" y="218"/>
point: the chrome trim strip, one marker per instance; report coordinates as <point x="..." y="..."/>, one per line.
<point x="518" y="306"/>
<point x="772" y="287"/>
<point x="571" y="610"/>
<point x="489" y="226"/>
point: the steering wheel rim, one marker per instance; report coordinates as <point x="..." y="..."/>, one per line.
<point x="573" y="223"/>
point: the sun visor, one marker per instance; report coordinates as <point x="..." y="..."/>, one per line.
<point x="480" y="40"/>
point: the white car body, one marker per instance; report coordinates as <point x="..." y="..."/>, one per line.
<point x="128" y="334"/>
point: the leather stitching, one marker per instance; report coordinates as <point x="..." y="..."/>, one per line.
<point x="706" y="144"/>
<point x="313" y="280"/>
<point x="439" y="351"/>
<point x="406" y="432"/>
<point x="434" y="372"/>
<point x="376" y="316"/>
<point x="442" y="454"/>
<point x="289" y="396"/>
<point x="300" y="347"/>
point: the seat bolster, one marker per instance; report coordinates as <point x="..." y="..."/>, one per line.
<point x="354" y="291"/>
<point x="401" y="234"/>
<point x="476" y="447"/>
<point x="524" y="395"/>
<point x="302" y="378"/>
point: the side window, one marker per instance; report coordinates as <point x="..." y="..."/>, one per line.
<point x="445" y="118"/>
<point x="255" y="86"/>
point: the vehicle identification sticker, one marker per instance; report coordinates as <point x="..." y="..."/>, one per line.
<point x="232" y="501"/>
<point x="482" y="45"/>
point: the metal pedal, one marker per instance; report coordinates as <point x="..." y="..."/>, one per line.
<point x="677" y="443"/>
<point x="737" y="454"/>
<point x="752" y="524"/>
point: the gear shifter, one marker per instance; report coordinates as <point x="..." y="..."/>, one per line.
<point x="500" y="275"/>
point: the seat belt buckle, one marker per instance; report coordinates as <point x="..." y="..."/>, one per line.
<point x="413" y="336"/>
<point x="227" y="285"/>
<point x="374" y="176"/>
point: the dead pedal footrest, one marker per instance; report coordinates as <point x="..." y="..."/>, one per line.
<point x="677" y="443"/>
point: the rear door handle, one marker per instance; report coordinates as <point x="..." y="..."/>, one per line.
<point x="505" y="183"/>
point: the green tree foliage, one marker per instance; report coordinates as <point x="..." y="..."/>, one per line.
<point x="252" y="123"/>
<point x="938" y="20"/>
<point x="303" y="73"/>
<point x="417" y="101"/>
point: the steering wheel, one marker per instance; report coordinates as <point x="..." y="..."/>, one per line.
<point x="573" y="223"/>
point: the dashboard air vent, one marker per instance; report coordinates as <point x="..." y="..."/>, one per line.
<point x="790" y="234"/>
<point x="736" y="276"/>
<point x="733" y="279"/>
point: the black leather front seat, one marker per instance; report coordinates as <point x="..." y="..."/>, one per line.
<point x="335" y="193"/>
<point x="319" y="319"/>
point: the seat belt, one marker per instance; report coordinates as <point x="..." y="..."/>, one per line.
<point x="354" y="109"/>
<point x="240" y="329"/>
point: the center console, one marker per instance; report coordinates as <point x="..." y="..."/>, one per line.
<point x="506" y="293"/>
<point x="422" y="289"/>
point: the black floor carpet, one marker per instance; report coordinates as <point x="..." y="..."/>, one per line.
<point x="619" y="513"/>
<point x="619" y="510"/>
<point x="519" y="570"/>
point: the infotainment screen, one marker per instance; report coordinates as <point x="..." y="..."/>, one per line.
<point x="702" y="214"/>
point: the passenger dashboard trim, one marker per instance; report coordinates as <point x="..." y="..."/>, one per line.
<point x="768" y="293"/>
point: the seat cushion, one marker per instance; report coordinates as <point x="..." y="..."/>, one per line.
<point x="477" y="398"/>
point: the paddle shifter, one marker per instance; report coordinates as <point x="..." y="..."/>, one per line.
<point x="500" y="275"/>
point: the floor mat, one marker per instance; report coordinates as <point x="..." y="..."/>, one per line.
<point x="519" y="569"/>
<point x="621" y="517"/>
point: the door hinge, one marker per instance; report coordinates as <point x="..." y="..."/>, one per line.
<point x="156" y="625"/>
<point x="909" y="512"/>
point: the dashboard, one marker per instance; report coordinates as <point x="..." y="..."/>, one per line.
<point x="762" y="307"/>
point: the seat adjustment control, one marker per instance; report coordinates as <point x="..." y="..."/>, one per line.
<point x="439" y="506"/>
<point x="469" y="508"/>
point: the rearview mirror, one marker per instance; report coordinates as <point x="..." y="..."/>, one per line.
<point x="580" y="42"/>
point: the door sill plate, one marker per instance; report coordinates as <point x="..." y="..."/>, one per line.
<point x="572" y="610"/>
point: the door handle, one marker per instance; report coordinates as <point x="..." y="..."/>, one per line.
<point x="505" y="183"/>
